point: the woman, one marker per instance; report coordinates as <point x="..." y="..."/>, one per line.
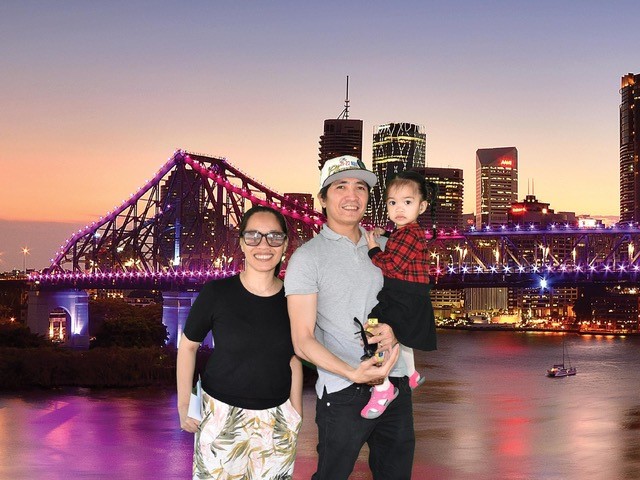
<point x="252" y="383"/>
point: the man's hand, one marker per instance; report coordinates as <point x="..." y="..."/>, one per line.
<point x="371" y="371"/>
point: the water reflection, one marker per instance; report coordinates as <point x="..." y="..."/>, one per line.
<point x="79" y="434"/>
<point x="486" y="412"/>
<point x="510" y="421"/>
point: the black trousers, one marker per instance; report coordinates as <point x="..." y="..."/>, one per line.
<point x="342" y="432"/>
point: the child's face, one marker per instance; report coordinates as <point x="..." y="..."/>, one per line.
<point x="404" y="204"/>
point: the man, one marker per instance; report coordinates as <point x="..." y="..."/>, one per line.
<point x="329" y="281"/>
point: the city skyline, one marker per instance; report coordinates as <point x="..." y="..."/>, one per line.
<point x="97" y="97"/>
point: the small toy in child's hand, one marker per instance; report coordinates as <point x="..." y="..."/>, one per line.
<point x="371" y="322"/>
<point x="369" y="348"/>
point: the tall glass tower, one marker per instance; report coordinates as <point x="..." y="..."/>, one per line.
<point x="630" y="148"/>
<point x="396" y="146"/>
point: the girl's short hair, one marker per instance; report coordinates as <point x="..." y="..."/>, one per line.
<point x="407" y="177"/>
<point x="428" y="191"/>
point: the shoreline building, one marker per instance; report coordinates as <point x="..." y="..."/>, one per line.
<point x="530" y="211"/>
<point x="630" y="148"/>
<point x="396" y="146"/>
<point x="496" y="184"/>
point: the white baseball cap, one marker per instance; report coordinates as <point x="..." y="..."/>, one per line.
<point x="346" y="166"/>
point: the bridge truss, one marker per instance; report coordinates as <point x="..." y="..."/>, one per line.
<point x="184" y="219"/>
<point x="181" y="228"/>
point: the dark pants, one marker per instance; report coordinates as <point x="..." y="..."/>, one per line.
<point x="342" y="432"/>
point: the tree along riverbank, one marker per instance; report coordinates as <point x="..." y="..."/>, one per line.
<point x="49" y="367"/>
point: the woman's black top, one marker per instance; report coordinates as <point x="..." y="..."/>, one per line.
<point x="249" y="366"/>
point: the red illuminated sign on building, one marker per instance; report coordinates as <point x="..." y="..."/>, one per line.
<point x="506" y="163"/>
<point x="518" y="209"/>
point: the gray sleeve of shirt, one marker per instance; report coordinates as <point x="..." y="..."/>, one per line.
<point x="301" y="276"/>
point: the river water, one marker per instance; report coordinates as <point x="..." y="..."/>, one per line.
<point x="486" y="412"/>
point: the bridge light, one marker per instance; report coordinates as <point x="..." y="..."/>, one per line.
<point x="543" y="283"/>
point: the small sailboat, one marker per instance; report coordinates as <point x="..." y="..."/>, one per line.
<point x="562" y="369"/>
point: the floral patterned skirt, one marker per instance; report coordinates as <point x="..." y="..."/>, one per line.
<point x="241" y="444"/>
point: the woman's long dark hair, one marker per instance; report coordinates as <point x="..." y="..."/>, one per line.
<point x="262" y="209"/>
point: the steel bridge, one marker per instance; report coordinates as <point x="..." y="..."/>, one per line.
<point x="180" y="229"/>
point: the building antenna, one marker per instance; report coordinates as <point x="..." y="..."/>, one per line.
<point x="345" y="112"/>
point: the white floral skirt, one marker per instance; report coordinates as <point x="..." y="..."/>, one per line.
<point x="237" y="443"/>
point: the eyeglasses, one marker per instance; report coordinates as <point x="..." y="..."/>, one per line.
<point x="369" y="348"/>
<point x="254" y="237"/>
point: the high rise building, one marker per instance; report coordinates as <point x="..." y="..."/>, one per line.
<point x="396" y="146"/>
<point x="342" y="136"/>
<point x="304" y="230"/>
<point x="496" y="184"/>
<point x="630" y="148"/>
<point x="450" y="197"/>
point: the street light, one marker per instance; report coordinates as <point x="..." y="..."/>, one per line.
<point x="25" y="252"/>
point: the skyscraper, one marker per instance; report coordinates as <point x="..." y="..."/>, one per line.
<point x="450" y="183"/>
<point x="630" y="148"/>
<point x="341" y="136"/>
<point x="396" y="146"/>
<point x="496" y="184"/>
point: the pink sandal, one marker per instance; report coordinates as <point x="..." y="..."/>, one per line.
<point x="415" y="380"/>
<point x="378" y="402"/>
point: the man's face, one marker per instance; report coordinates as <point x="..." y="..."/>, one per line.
<point x="346" y="201"/>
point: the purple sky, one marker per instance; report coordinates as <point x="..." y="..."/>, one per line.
<point x="95" y="96"/>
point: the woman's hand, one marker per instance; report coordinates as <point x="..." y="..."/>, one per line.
<point x="188" y="424"/>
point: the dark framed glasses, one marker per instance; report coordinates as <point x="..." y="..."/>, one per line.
<point x="254" y="237"/>
<point x="369" y="349"/>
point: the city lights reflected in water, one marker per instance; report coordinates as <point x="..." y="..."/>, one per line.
<point x="486" y="412"/>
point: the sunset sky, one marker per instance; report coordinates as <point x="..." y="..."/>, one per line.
<point x="95" y="96"/>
